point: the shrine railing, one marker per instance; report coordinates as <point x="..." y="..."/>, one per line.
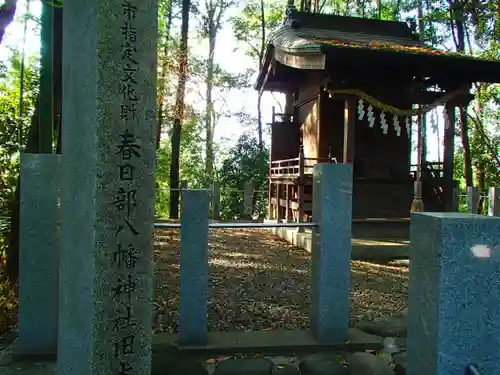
<point x="433" y="169"/>
<point x="296" y="167"/>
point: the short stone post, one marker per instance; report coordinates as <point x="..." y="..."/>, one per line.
<point x="194" y="268"/>
<point x="216" y="200"/>
<point x="455" y="202"/>
<point x="453" y="314"/>
<point x="108" y="189"/>
<point x="494" y="201"/>
<point x="331" y="251"/>
<point x="38" y="271"/>
<point x="473" y="199"/>
<point x="248" y="200"/>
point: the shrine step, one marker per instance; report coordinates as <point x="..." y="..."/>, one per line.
<point x="381" y="228"/>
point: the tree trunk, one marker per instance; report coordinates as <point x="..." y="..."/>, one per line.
<point x="209" y="161"/>
<point x="457" y="13"/>
<point x="261" y="56"/>
<point x="7" y="12"/>
<point x="464" y="132"/>
<point x="163" y="78"/>
<point x="179" y="113"/>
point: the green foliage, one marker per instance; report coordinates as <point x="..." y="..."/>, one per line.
<point x="191" y="161"/>
<point x="10" y="123"/>
<point x="247" y="26"/>
<point x="244" y="164"/>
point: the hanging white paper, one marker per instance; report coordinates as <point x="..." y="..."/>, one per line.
<point x="395" y="121"/>
<point x="361" y="109"/>
<point x="371" y="117"/>
<point x="383" y="123"/>
<point x="407" y="124"/>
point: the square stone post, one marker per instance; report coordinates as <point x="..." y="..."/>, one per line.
<point x="494" y="201"/>
<point x="194" y="268"/>
<point x="473" y="199"/>
<point x="38" y="253"/>
<point x="247" y="200"/>
<point x="216" y="200"/>
<point x="331" y="251"/>
<point x="108" y="190"/>
<point x="453" y="314"/>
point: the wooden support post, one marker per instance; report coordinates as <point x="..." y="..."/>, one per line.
<point x="448" y="153"/>
<point x="287" y="206"/>
<point x="349" y="123"/>
<point x="300" y="190"/>
<point x="278" y="216"/>
<point x="270" y="208"/>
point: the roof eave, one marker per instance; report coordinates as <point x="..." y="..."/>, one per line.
<point x="268" y="56"/>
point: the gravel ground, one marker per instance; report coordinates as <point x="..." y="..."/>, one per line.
<point x="258" y="281"/>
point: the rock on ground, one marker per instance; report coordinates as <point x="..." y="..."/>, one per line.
<point x="251" y="366"/>
<point x="367" y="364"/>
<point x="400" y="363"/>
<point x="322" y="364"/>
<point x="391" y="326"/>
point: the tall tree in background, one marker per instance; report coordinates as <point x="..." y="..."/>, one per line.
<point x="252" y="27"/>
<point x="179" y="112"/>
<point x="165" y="15"/>
<point x="212" y="18"/>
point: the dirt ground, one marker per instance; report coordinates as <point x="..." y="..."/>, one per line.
<point x="258" y="281"/>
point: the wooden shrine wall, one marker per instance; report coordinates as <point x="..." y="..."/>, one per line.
<point x="332" y="127"/>
<point x="285" y="140"/>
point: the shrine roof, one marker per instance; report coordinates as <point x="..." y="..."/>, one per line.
<point x="308" y="32"/>
<point x="308" y="40"/>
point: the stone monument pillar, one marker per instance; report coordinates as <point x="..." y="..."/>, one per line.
<point x="331" y="251"/>
<point x="108" y="188"/>
<point x="453" y="314"/>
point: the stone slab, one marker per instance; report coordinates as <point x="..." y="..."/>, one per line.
<point x="453" y="312"/>
<point x="278" y="342"/>
<point x="193" y="267"/>
<point x="362" y="249"/>
<point x="38" y="255"/>
<point x="108" y="193"/>
<point x="331" y="251"/>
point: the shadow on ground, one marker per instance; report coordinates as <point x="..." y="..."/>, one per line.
<point x="258" y="281"/>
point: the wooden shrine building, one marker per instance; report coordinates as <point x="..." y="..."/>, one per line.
<point x="351" y="86"/>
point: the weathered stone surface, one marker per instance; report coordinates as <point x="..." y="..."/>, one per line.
<point x="322" y="364"/>
<point x="287" y="370"/>
<point x="193" y="268"/>
<point x="453" y="309"/>
<point x="392" y="326"/>
<point x="331" y="252"/>
<point x="400" y="363"/>
<point x="367" y="364"/>
<point x="38" y="300"/>
<point x="251" y="366"/>
<point x="108" y="187"/>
